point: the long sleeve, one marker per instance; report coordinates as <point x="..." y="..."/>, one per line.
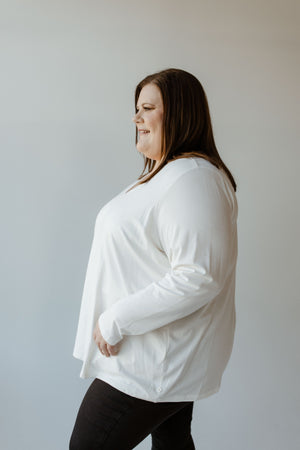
<point x="194" y="226"/>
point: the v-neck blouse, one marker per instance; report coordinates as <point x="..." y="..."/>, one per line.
<point x="160" y="281"/>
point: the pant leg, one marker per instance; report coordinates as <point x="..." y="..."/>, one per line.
<point x="175" y="432"/>
<point x="109" y="419"/>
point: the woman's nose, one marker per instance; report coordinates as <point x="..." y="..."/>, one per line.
<point x="136" y="117"/>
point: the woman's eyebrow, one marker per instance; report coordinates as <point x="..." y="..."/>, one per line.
<point x="146" y="103"/>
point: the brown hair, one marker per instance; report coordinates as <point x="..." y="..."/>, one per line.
<point x="187" y="129"/>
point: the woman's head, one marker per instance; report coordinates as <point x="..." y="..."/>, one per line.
<point x="179" y="119"/>
<point x="149" y="121"/>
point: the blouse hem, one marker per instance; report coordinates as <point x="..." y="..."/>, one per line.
<point x="126" y="389"/>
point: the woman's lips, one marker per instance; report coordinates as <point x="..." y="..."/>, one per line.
<point x="143" y="133"/>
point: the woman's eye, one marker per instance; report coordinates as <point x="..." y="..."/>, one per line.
<point x="144" y="108"/>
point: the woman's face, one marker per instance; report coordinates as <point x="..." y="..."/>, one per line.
<point x="149" y="115"/>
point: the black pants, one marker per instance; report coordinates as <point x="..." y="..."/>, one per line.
<point x="109" y="419"/>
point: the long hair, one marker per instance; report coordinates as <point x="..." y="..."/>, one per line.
<point x="187" y="128"/>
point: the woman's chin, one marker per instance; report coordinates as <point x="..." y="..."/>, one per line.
<point x="141" y="149"/>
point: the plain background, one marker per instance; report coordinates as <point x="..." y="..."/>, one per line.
<point x="68" y="74"/>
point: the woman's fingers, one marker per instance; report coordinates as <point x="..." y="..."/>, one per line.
<point x="108" y="350"/>
<point x="112" y="349"/>
<point x="103" y="350"/>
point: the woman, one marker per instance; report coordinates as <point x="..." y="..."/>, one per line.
<point x="157" y="318"/>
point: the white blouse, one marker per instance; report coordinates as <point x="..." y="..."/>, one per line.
<point x="160" y="282"/>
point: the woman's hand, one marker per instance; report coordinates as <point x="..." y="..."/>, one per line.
<point x="104" y="347"/>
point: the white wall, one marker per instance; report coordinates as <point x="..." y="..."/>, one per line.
<point x="68" y="73"/>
